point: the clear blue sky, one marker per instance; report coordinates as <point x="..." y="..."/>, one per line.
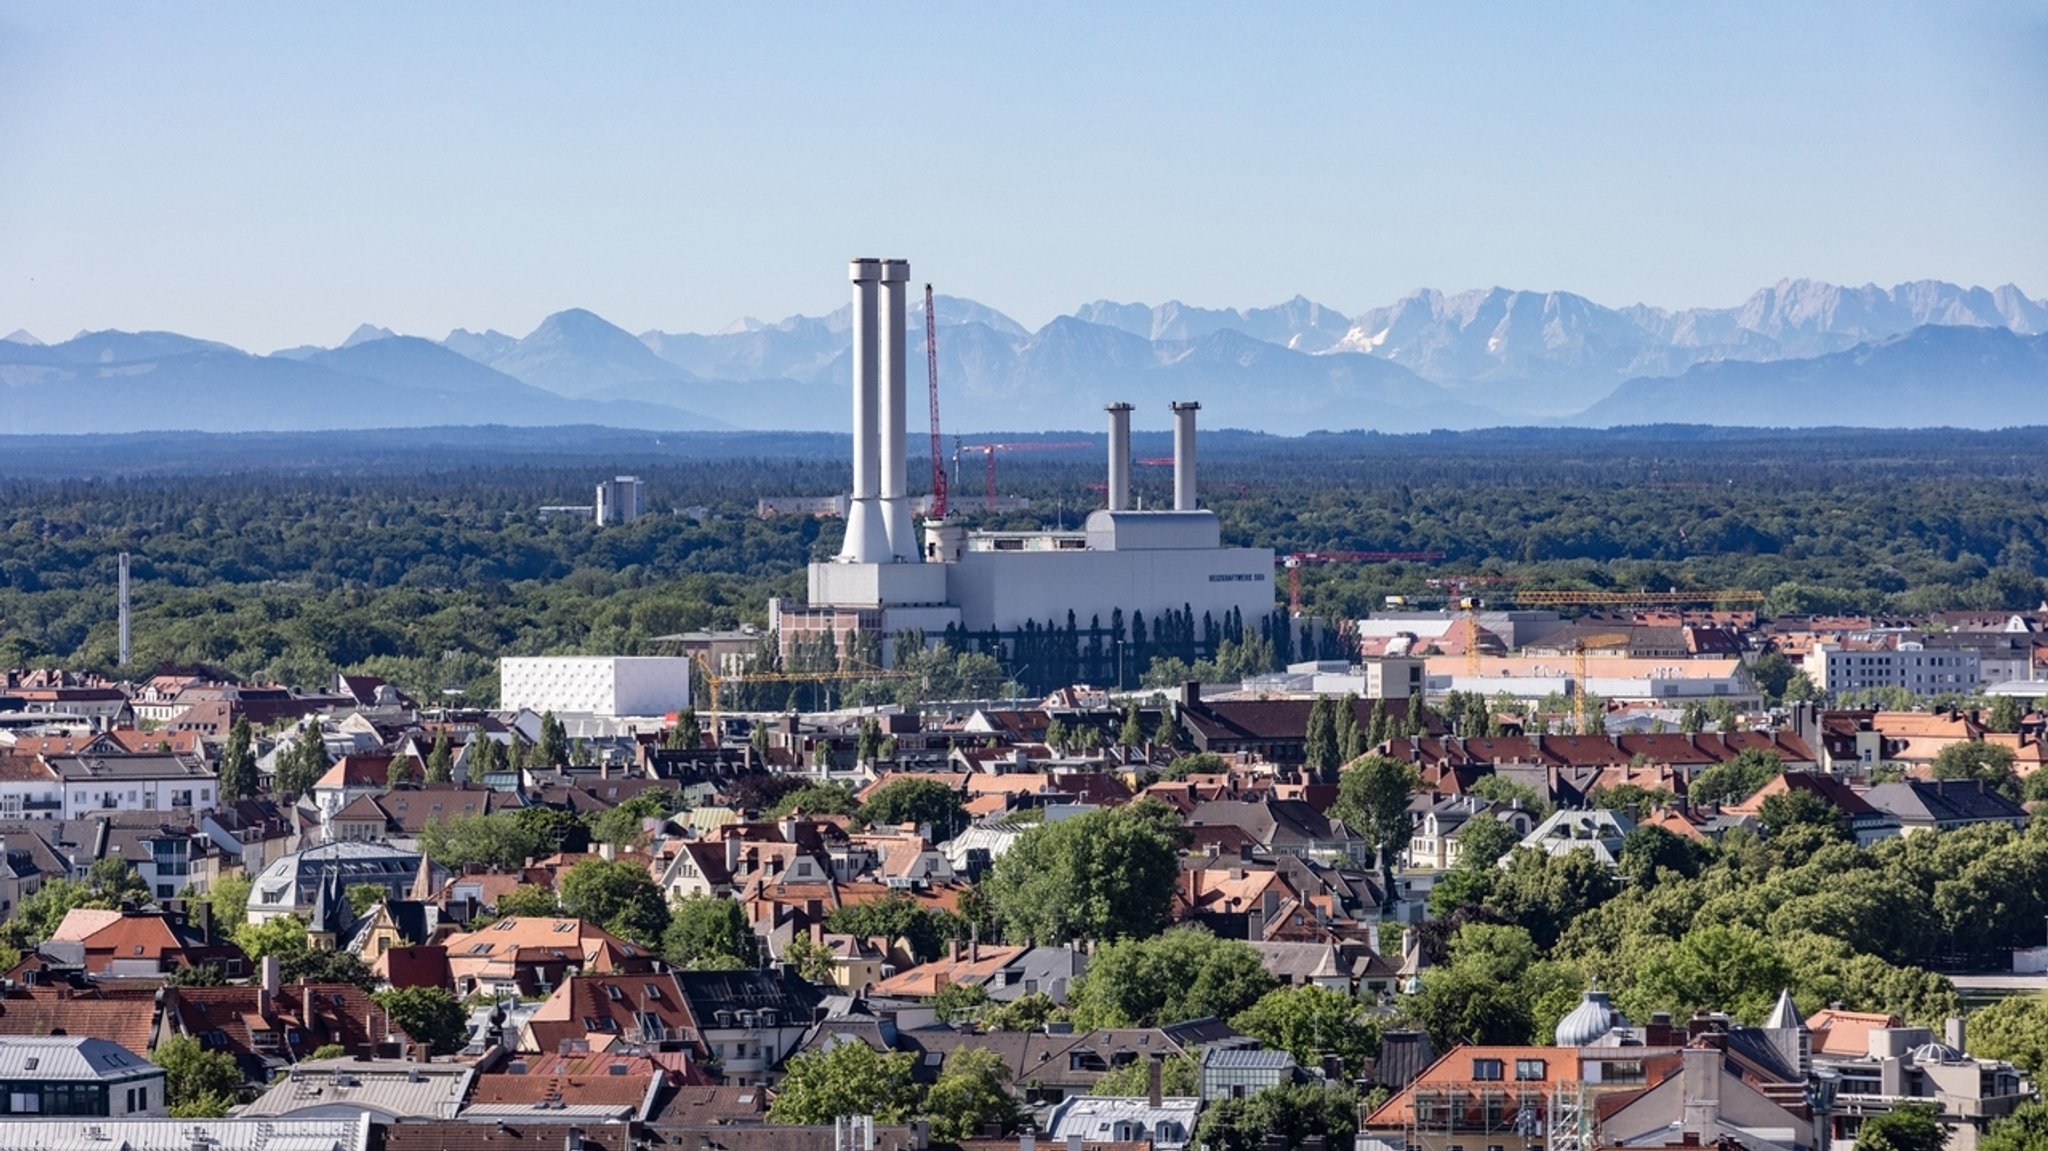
<point x="275" y="173"/>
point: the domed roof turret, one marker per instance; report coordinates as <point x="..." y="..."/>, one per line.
<point x="1592" y="1018"/>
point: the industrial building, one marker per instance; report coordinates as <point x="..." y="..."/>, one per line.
<point x="601" y="685"/>
<point x="1122" y="563"/>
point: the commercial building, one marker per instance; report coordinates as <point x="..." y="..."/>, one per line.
<point x="604" y="685"/>
<point x="1122" y="564"/>
<point x="618" y="500"/>
<point x="1908" y="664"/>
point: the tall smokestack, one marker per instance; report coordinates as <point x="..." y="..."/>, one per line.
<point x="867" y="540"/>
<point x="124" y="609"/>
<point x="1184" y="455"/>
<point x="903" y="543"/>
<point x="1119" y="456"/>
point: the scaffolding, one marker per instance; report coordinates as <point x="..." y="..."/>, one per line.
<point x="1486" y="1113"/>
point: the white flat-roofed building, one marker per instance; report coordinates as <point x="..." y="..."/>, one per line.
<point x="349" y="1134"/>
<point x="618" y="500"/>
<point x="1913" y="666"/>
<point x="604" y="685"/>
<point x="1674" y="681"/>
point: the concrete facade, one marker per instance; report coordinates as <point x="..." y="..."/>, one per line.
<point x="607" y="685"/>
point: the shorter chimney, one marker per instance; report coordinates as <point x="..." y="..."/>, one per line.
<point x="1152" y="1075"/>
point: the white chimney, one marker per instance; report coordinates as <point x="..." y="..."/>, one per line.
<point x="1119" y="456"/>
<point x="1184" y="455"/>
<point x="867" y="539"/>
<point x="124" y="609"/>
<point x="895" y="413"/>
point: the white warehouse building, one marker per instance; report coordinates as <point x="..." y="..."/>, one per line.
<point x="890" y="576"/>
<point x="603" y="685"/>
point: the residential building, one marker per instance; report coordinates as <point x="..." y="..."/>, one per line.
<point x="1164" y="1123"/>
<point x="29" y="788"/>
<point x="749" y="1020"/>
<point x="1239" y="1072"/>
<point x="530" y="955"/>
<point x="266" y="1026"/>
<point x="1599" y="831"/>
<point x="1867" y="822"/>
<point x="77" y="1076"/>
<point x="1943" y="804"/>
<point x="95" y="783"/>
<point x="137" y="944"/>
<point x="1893" y="662"/>
<point x="388" y="1091"/>
<point x="288" y="886"/>
<point x="618" y="501"/>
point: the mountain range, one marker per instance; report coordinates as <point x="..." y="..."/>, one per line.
<point x="1800" y="352"/>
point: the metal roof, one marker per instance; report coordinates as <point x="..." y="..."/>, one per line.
<point x="87" y="1134"/>
<point x="57" y="1057"/>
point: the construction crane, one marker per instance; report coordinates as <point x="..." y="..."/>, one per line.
<point x="717" y="682"/>
<point x="990" y="450"/>
<point x="931" y="363"/>
<point x="1579" y="649"/>
<point x="1635" y="598"/>
<point x="1294" y="561"/>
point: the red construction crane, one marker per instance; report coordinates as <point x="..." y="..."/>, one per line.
<point x="1294" y="561"/>
<point x="989" y="451"/>
<point x="931" y="362"/>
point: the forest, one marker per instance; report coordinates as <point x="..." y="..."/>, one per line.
<point x="423" y="558"/>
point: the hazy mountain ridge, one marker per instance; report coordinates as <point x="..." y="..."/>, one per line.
<point x="1430" y="360"/>
<point x="1951" y="376"/>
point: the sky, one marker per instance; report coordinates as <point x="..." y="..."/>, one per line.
<point x="272" y="174"/>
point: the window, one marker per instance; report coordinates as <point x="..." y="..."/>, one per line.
<point x="1486" y="1069"/>
<point x="1529" y="1069"/>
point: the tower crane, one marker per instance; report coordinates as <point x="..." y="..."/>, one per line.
<point x="1294" y="562"/>
<point x="989" y="451"/>
<point x="931" y="362"/>
<point x="1631" y="598"/>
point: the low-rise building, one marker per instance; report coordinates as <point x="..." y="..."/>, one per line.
<point x="77" y="1076"/>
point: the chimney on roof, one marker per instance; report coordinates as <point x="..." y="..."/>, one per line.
<point x="267" y="987"/>
<point x="1152" y="1087"/>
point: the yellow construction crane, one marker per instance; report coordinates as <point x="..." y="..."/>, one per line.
<point x="1631" y="598"/>
<point x="1579" y="649"/>
<point x="717" y="682"/>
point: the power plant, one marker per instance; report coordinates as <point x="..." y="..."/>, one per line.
<point x="1123" y="563"/>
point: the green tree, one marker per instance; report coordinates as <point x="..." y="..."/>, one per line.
<point x="486" y="757"/>
<point x="960" y="1001"/>
<point x="114" y="881"/>
<point x="2026" y="1129"/>
<point x="624" y="824"/>
<point x="1633" y="799"/>
<point x="2014" y="1029"/>
<point x="2005" y="715"/>
<point x="227" y="898"/>
<point x="1544" y="892"/>
<point x="553" y="830"/>
<point x="501" y="839"/>
<point x="441" y="760"/>
<point x="282" y="935"/>
<point x="1132" y="733"/>
<point x="1179" y="1075"/>
<point x="1692" y="718"/>
<point x="1321" y="750"/>
<point x="319" y="966"/>
<point x="238" y="762"/>
<point x="687" y="733"/>
<point x="1771" y="672"/>
<point x="707" y="931"/>
<point x="1292" y="1113"/>
<point x="1716" y="967"/>
<point x="552" y="749"/>
<point x="1183" y="974"/>
<point x="301" y="763"/>
<point x="430" y="1015"/>
<point x="1737" y="779"/>
<point x="198" y="1084"/>
<point x="1372" y="799"/>
<point x="925" y="802"/>
<point x="1309" y="1022"/>
<point x="363" y="896"/>
<point x="1104" y="875"/>
<point x="1791" y="808"/>
<point x="1649" y="850"/>
<point x="618" y="896"/>
<point x="1494" y="989"/>
<point x="894" y="916"/>
<point x="1027" y="1012"/>
<point x="849" y="1078"/>
<point x="1483" y="840"/>
<point x="812" y="961"/>
<point x="1972" y="759"/>
<point x="817" y="799"/>
<point x="1056" y="734"/>
<point x="529" y="899"/>
<point x="1907" y="1127"/>
<point x="971" y="1095"/>
<point x="1506" y="792"/>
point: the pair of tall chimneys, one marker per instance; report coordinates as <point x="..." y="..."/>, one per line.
<point x="878" y="527"/>
<point x="1183" y="456"/>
